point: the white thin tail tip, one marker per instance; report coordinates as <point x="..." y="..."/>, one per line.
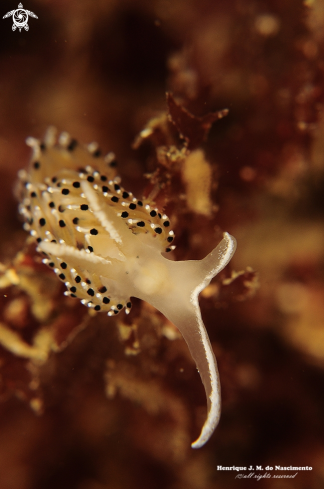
<point x="197" y="444"/>
<point x="206" y="432"/>
<point x="203" y="438"/>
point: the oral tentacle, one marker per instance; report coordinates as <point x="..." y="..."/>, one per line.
<point x="179" y="303"/>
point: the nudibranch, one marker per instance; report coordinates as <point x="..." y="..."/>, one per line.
<point x="107" y="246"/>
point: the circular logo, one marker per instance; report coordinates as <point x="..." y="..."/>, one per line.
<point x="20" y="19"/>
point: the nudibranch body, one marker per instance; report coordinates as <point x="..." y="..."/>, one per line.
<point x="107" y="246"/>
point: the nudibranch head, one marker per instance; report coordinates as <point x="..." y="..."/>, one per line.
<point x="107" y="246"/>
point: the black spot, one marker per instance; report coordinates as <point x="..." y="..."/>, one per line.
<point x="96" y="153"/>
<point x="153" y="213"/>
<point x="72" y="145"/>
<point x="93" y="231"/>
<point x="167" y="250"/>
<point x="113" y="163"/>
<point x="62" y="223"/>
<point x="36" y="165"/>
<point x="159" y="215"/>
<point x="170" y="239"/>
<point x="90" y="179"/>
<point x="62" y="276"/>
<point x="90" y="292"/>
<point x="52" y="265"/>
<point x="77" y="279"/>
<point x="103" y="178"/>
<point x="166" y="223"/>
<point x="140" y="203"/>
<point x="129" y="305"/>
<point x="39" y="240"/>
<point x="97" y="308"/>
<point x="90" y="249"/>
<point x="63" y="265"/>
<point x="73" y="295"/>
<point x="61" y="208"/>
<point x="54" y="179"/>
<point x="114" y="199"/>
<point x="42" y="146"/>
<point x="132" y="206"/>
<point x="141" y="224"/>
<point x="76" y="184"/>
<point x="42" y="222"/>
<point x="65" y="191"/>
<point x="84" y="207"/>
<point x="102" y="289"/>
<point x="73" y="289"/>
<point x="105" y="300"/>
<point x="59" y="184"/>
<point x="87" y="281"/>
<point x="119" y="306"/>
<point x="75" y="220"/>
<point x="53" y="241"/>
<point x="52" y="205"/>
<point x="158" y="230"/>
<point x="33" y="194"/>
<point x="124" y="214"/>
<point x="125" y="195"/>
<point x="105" y="189"/>
<point x="117" y="187"/>
<point x="115" y="312"/>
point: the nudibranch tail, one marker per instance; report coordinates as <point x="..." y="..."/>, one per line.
<point x="107" y="246"/>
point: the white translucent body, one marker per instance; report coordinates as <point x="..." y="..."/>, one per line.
<point x="133" y="266"/>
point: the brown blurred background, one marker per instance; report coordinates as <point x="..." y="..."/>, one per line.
<point x="115" y="403"/>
